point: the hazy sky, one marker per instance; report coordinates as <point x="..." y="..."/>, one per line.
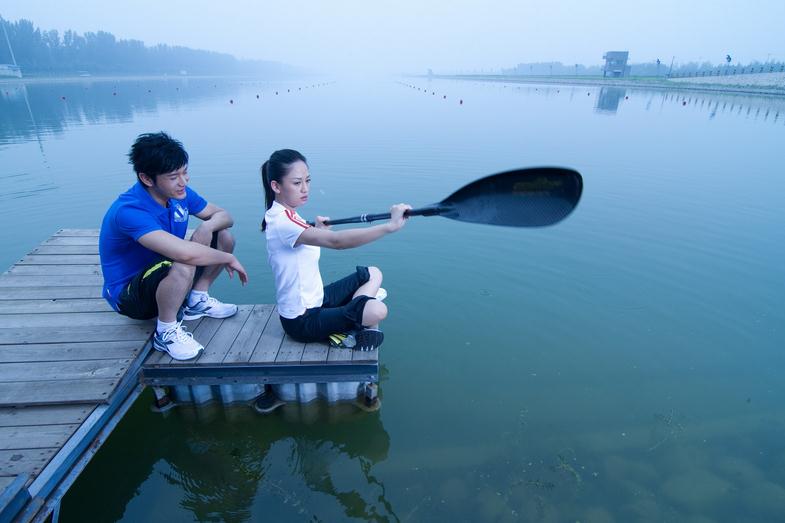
<point x="446" y="35"/>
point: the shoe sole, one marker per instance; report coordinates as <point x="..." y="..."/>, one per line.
<point x="156" y="347"/>
<point x="190" y="317"/>
<point x="368" y="340"/>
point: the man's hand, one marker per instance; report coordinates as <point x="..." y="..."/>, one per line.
<point x="235" y="265"/>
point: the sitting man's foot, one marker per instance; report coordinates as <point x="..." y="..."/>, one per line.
<point x="342" y="340"/>
<point x="178" y="343"/>
<point x="368" y="339"/>
<point x="210" y="307"/>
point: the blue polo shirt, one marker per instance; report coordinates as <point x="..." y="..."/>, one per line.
<point x="131" y="216"/>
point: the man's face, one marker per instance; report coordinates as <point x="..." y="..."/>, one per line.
<point x="169" y="185"/>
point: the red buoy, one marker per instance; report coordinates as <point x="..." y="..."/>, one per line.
<point x="461" y="102"/>
<point x="445" y="96"/>
<point x="231" y="101"/>
<point x="257" y="96"/>
<point x="684" y="103"/>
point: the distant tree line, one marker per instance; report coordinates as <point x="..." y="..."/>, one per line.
<point x="41" y="52"/>
<point x="640" y="69"/>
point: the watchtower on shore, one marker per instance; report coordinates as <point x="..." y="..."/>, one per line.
<point x="616" y="64"/>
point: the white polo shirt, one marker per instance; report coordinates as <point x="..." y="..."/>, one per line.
<point x="298" y="284"/>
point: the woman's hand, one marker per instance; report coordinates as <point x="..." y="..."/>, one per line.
<point x="397" y="219"/>
<point x="320" y="222"/>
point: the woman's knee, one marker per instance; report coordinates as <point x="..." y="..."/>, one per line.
<point x="374" y="312"/>
<point x="225" y="241"/>
<point x="375" y="274"/>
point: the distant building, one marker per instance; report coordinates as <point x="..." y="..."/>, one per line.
<point x="616" y="64"/>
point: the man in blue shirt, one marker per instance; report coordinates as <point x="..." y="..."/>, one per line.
<point x="150" y="270"/>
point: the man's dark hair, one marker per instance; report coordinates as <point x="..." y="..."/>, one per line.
<point x="156" y="153"/>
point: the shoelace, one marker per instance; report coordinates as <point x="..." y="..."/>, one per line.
<point x="180" y="333"/>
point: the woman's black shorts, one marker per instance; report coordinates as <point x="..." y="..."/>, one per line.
<point x="338" y="313"/>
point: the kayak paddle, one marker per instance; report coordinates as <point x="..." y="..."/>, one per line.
<point x="533" y="197"/>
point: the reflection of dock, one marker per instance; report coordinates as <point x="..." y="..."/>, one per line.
<point x="70" y="367"/>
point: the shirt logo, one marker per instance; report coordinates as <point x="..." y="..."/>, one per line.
<point x="180" y="213"/>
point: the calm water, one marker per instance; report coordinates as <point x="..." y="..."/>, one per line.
<point x="624" y="365"/>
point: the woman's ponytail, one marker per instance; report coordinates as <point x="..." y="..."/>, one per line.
<point x="273" y="170"/>
<point x="269" y="195"/>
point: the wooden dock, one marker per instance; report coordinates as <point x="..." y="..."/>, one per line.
<point x="70" y="367"/>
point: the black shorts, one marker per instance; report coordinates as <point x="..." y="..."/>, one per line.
<point x="137" y="300"/>
<point x="339" y="311"/>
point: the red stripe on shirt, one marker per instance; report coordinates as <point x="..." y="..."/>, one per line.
<point x="296" y="219"/>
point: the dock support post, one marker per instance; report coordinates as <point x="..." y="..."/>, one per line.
<point x="371" y="394"/>
<point x="163" y="401"/>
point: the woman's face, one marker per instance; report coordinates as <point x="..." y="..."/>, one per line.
<point x="292" y="191"/>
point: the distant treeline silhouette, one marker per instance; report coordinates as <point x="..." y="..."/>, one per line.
<point x="641" y="69"/>
<point x="40" y="52"/>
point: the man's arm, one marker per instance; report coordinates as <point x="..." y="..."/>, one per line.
<point x="190" y="252"/>
<point x="213" y="219"/>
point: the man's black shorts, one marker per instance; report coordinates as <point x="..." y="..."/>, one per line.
<point x="137" y="300"/>
<point x="339" y="311"/>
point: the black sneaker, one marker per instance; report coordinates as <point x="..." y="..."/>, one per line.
<point x="368" y="339"/>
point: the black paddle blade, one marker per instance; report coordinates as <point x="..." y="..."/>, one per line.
<point x="533" y="197"/>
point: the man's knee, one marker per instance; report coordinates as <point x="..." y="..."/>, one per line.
<point x="225" y="241"/>
<point x="182" y="271"/>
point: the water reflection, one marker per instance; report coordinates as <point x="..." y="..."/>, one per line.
<point x="29" y="109"/>
<point x="229" y="464"/>
<point x="609" y="98"/>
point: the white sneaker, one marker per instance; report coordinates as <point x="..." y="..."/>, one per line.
<point x="209" y="307"/>
<point x="178" y="343"/>
<point x="381" y="294"/>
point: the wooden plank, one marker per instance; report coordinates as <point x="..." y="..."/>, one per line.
<point x="56" y="305"/>
<point x="77" y="232"/>
<point x="65" y="249"/>
<point x="5" y="481"/>
<point x="215" y="351"/>
<point x="249" y="336"/>
<point x="63" y="370"/>
<point x="339" y="354"/>
<point x="269" y="343"/>
<point x="203" y="333"/>
<point x="60" y="259"/>
<point x="45" y="270"/>
<point x="291" y="350"/>
<point x="96" y="350"/>
<point x="16" y="336"/>
<point x="157" y="357"/>
<point x="71" y="240"/>
<point x="370" y="355"/>
<point x="315" y="352"/>
<point x="52" y="280"/>
<point x="87" y="320"/>
<point x="37" y="437"/>
<point x="48" y="293"/>
<point x="15" y="462"/>
<point x="60" y="392"/>
<point x="44" y="415"/>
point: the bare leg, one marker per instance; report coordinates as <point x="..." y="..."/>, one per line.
<point x="371" y="287"/>
<point x="172" y="291"/>
<point x="375" y="311"/>
<point x="225" y="243"/>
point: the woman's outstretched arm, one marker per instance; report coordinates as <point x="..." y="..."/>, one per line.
<point x="323" y="236"/>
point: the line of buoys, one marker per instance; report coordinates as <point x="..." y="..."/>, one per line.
<point x="425" y="91"/>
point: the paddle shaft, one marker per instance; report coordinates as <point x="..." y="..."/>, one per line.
<point x="431" y="210"/>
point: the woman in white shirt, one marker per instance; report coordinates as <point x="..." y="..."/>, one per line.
<point x="309" y="310"/>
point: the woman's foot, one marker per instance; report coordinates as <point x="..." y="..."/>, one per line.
<point x="368" y="339"/>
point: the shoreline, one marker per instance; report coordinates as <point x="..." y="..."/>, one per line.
<point x="606" y="82"/>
